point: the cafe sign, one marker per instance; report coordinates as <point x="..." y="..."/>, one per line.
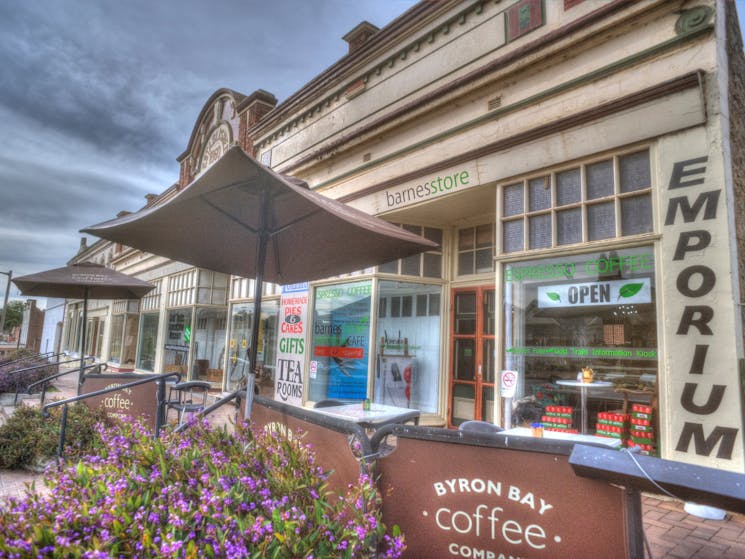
<point x="618" y="292"/>
<point x="458" y="500"/>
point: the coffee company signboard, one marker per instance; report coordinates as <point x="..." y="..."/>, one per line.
<point x="453" y="499"/>
<point x="139" y="401"/>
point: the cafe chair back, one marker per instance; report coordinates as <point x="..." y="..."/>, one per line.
<point x="328" y="403"/>
<point x="187" y="398"/>
<point x="481" y="427"/>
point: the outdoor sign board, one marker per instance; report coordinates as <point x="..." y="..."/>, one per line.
<point x="452" y="499"/>
<point x="586" y="294"/>
<point x="139" y="401"/>
<point x="288" y="385"/>
<point x="508" y="384"/>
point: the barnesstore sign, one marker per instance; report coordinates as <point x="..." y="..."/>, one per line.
<point x="424" y="189"/>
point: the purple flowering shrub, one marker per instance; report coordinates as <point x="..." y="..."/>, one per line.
<point x="10" y="380"/>
<point x="201" y="493"/>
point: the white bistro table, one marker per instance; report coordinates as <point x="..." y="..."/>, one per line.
<point x="583" y="388"/>
<point x="373" y="418"/>
<point x="558" y="435"/>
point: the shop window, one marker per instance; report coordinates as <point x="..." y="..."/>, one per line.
<point x="151" y="301"/>
<point x="208" y="346"/>
<point x="148" y="341"/>
<point x="177" y="342"/>
<point x="476" y="249"/>
<point x="239" y="342"/>
<point x="181" y="288"/>
<point x="123" y="343"/>
<point x="212" y="288"/>
<point x="595" y="310"/>
<point x="600" y="200"/>
<point x="94" y="333"/>
<point x="408" y="347"/>
<point x="427" y="264"/>
<point x="340" y="341"/>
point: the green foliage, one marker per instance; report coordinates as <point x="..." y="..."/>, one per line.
<point x="201" y="493"/>
<point x="13" y="315"/>
<point x="28" y="438"/>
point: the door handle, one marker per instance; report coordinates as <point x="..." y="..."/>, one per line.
<point x="479" y="373"/>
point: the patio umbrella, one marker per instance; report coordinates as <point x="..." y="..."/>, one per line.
<point x="84" y="280"/>
<point x="240" y="217"/>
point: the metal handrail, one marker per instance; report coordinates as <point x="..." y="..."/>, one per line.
<point x="42" y="365"/>
<point x="100" y="366"/>
<point x="47" y="355"/>
<point x="209" y="409"/>
<point x="161" y="400"/>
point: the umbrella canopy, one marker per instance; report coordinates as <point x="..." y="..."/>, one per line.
<point x="238" y="207"/>
<point x="240" y="217"/>
<point x="84" y="280"/>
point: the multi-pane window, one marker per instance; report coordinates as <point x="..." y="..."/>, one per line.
<point x="476" y="249"/>
<point x="600" y="200"/>
<point x="427" y="265"/>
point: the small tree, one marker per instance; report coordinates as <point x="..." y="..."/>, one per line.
<point x="13" y="315"/>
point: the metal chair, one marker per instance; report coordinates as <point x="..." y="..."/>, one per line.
<point x="187" y="397"/>
<point x="480" y="427"/>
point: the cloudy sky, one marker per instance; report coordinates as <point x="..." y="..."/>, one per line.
<point x="98" y="98"/>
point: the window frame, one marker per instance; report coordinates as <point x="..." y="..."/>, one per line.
<point x="584" y="204"/>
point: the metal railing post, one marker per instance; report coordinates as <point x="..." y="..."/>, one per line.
<point x="160" y="412"/>
<point x="63" y="427"/>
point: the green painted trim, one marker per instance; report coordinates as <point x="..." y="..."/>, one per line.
<point x="497" y="113"/>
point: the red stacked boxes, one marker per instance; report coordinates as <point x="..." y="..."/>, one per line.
<point x="642" y="429"/>
<point x="558" y="418"/>
<point x="612" y="424"/>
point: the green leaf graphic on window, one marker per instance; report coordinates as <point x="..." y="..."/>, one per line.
<point x="553" y="296"/>
<point x="629" y="290"/>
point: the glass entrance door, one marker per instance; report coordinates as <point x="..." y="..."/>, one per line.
<point x="472" y="350"/>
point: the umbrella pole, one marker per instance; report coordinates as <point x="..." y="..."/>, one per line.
<point x="82" y="339"/>
<point x="258" y="289"/>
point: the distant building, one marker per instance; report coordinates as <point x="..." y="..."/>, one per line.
<point x="32" y="326"/>
<point x="51" y="336"/>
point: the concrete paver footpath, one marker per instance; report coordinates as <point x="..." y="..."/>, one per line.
<point x="671" y="532"/>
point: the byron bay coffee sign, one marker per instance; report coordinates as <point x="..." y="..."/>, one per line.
<point x="458" y="500"/>
<point x="139" y="401"/>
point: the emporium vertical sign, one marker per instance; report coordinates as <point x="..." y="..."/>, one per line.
<point x="701" y="396"/>
<point x="288" y="386"/>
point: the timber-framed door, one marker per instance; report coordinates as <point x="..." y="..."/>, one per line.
<point x="471" y="375"/>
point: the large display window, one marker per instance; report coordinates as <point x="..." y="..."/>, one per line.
<point x="178" y="339"/>
<point x="408" y="335"/>
<point x="148" y="341"/>
<point x="123" y="339"/>
<point x="340" y="341"/>
<point x="209" y="344"/>
<point x="591" y="311"/>
<point x="241" y="323"/>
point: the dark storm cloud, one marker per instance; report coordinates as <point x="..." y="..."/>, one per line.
<point x="99" y="97"/>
